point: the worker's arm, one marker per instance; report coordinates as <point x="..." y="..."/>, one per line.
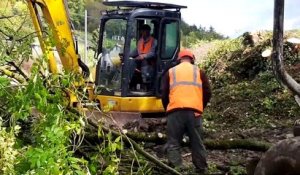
<point x="165" y="89"/>
<point x="206" y="88"/>
<point x="151" y="54"/>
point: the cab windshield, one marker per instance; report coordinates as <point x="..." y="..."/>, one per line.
<point x="112" y="47"/>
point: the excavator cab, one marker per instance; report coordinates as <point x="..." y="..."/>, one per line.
<point x="119" y="82"/>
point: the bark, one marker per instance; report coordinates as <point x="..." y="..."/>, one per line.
<point x="282" y="158"/>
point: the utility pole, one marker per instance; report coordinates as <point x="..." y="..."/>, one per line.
<point x="85" y="37"/>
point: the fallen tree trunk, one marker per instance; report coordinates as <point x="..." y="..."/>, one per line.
<point x="247" y="144"/>
<point x="160" y="138"/>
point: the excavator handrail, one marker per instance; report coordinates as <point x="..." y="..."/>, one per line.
<point x="136" y="4"/>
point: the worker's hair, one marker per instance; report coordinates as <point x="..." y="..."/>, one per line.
<point x="145" y="27"/>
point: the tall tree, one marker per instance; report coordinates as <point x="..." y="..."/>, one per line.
<point x="76" y="8"/>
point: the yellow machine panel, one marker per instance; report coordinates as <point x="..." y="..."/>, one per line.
<point x="131" y="104"/>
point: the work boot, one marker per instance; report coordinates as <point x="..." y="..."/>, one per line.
<point x="174" y="158"/>
<point x="182" y="169"/>
<point x="200" y="171"/>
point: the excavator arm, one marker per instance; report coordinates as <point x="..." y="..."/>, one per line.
<point x="52" y="23"/>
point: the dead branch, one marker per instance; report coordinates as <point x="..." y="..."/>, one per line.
<point x="18" y="70"/>
<point x="12" y="75"/>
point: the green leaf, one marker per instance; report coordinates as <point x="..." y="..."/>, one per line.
<point x="118" y="139"/>
<point x="80" y="172"/>
<point x="75" y="166"/>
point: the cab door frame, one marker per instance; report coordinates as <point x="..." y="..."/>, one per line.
<point x="163" y="64"/>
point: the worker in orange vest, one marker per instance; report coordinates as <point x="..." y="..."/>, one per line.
<point x="144" y="55"/>
<point x="185" y="94"/>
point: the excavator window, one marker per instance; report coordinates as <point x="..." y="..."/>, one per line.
<point x="110" y="64"/>
<point x="170" y="38"/>
<point x="142" y="79"/>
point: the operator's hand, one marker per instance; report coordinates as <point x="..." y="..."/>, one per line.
<point x="121" y="59"/>
<point x="140" y="57"/>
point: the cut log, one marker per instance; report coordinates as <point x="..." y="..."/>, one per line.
<point x="246" y="144"/>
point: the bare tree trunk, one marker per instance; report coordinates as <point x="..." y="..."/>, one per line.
<point x="277" y="57"/>
<point x="283" y="157"/>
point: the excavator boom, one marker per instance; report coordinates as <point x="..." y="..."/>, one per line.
<point x="54" y="13"/>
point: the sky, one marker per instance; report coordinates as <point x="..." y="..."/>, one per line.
<point x="234" y="17"/>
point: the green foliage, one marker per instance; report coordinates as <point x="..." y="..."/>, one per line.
<point x="109" y="152"/>
<point x="218" y="60"/>
<point x="51" y="129"/>
<point x="237" y="170"/>
<point x="44" y="145"/>
<point x="76" y="8"/>
<point x="8" y="154"/>
<point x="212" y="168"/>
<point x="15" y="32"/>
<point x="93" y="8"/>
<point x="193" y="34"/>
<point x="245" y="91"/>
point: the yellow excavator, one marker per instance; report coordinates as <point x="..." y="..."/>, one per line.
<point x="119" y="33"/>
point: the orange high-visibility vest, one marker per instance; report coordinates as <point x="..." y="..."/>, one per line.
<point x="145" y="47"/>
<point x="185" y="88"/>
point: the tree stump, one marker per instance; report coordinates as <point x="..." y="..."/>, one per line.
<point x="281" y="159"/>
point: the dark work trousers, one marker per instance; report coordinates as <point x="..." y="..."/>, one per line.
<point x="180" y="122"/>
<point x="144" y="67"/>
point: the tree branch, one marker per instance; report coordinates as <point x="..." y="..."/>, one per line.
<point x="11" y="16"/>
<point x="18" y="69"/>
<point x="5" y="34"/>
<point x="11" y="74"/>
<point x="137" y="148"/>
<point x="22" y="38"/>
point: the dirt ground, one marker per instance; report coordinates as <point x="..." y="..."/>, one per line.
<point x="232" y="161"/>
